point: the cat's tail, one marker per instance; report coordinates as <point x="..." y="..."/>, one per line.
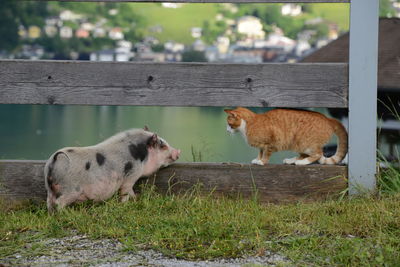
<point x="341" y="151"/>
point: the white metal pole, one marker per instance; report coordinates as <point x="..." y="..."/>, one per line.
<point x="363" y="63"/>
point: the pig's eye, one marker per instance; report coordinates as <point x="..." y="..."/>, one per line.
<point x="163" y="145"/>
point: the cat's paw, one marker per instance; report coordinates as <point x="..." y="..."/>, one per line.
<point x="302" y="162"/>
<point x="257" y="162"/>
<point x="289" y="160"/>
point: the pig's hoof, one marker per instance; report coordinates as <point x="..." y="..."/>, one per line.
<point x="124" y="198"/>
<point x="257" y="162"/>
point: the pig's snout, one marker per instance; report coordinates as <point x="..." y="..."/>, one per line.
<point x="175" y="154"/>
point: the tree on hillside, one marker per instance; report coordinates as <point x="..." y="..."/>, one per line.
<point x="291" y="26"/>
<point x="211" y="30"/>
<point x="9" y="30"/>
<point x="386" y="8"/>
<point x="15" y="13"/>
<point x="32" y="13"/>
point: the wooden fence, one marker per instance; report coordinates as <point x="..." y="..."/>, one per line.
<point x="173" y="84"/>
<point x="272" y="183"/>
<point x="195" y="84"/>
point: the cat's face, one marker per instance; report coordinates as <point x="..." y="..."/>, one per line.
<point x="234" y="120"/>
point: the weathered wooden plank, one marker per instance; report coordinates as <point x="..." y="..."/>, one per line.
<point x="173" y="84"/>
<point x="212" y="1"/>
<point x="22" y="179"/>
<point x="274" y="183"/>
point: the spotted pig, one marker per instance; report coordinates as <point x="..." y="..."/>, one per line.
<point x="75" y="174"/>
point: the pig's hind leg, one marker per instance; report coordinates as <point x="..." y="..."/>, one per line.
<point x="51" y="202"/>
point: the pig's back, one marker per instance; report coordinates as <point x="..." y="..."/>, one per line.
<point x="87" y="170"/>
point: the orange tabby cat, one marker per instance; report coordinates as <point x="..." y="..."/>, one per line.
<point x="305" y="132"/>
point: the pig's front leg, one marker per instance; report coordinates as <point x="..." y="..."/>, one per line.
<point x="126" y="189"/>
<point x="125" y="193"/>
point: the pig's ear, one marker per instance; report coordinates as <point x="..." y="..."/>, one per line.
<point x="146" y="128"/>
<point x="152" y="142"/>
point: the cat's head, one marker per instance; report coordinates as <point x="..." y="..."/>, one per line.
<point x="234" y="120"/>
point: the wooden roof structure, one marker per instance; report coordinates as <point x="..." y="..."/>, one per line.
<point x="388" y="57"/>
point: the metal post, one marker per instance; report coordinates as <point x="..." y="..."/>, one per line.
<point x="363" y="63"/>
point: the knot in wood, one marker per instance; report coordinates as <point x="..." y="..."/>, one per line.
<point x="51" y="100"/>
<point x="249" y="83"/>
<point x="264" y="103"/>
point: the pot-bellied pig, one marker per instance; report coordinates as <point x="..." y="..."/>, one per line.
<point x="75" y="174"/>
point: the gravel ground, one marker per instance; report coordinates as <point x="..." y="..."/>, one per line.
<point x="79" y="250"/>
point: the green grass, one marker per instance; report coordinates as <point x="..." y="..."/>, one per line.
<point x="339" y="13"/>
<point x="389" y="177"/>
<point x="362" y="231"/>
<point x="176" y="23"/>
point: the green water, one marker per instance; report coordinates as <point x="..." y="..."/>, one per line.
<point x="36" y="131"/>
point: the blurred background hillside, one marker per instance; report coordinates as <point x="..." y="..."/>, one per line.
<point x="171" y="32"/>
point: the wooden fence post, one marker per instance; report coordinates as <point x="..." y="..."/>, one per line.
<point x="363" y="61"/>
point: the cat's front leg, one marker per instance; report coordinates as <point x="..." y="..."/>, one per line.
<point x="267" y="152"/>
<point x="258" y="160"/>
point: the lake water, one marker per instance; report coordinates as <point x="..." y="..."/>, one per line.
<point x="36" y="131"/>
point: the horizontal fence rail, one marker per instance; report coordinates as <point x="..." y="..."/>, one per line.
<point x="174" y="84"/>
<point x="24" y="180"/>
<point x="211" y="1"/>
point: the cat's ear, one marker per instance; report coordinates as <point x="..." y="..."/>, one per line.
<point x="146" y="128"/>
<point x="231" y="112"/>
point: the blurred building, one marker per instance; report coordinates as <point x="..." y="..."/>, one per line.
<point x="291" y="10"/>
<point x="34" y="32"/>
<point x="251" y="27"/>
